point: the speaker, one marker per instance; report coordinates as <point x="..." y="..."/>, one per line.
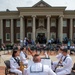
<point x="0" y="43"/>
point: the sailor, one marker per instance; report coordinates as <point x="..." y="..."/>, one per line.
<point x="66" y="64"/>
<point x="23" y="56"/>
<point x="15" y="63"/>
<point x="59" y="56"/>
<point x="37" y="68"/>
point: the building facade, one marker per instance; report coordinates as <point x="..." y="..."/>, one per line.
<point x="41" y="19"/>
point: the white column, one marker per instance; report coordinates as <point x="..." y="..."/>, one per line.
<point x="12" y="33"/>
<point x="21" y="28"/>
<point x="60" y="28"/>
<point x="2" y="30"/>
<point x="71" y="28"/>
<point x="48" y="27"/>
<point x="33" y="28"/>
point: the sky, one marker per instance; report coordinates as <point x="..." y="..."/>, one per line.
<point x="13" y="4"/>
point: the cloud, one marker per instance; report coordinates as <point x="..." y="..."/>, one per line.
<point x="12" y="4"/>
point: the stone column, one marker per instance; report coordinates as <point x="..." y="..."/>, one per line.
<point x="71" y="28"/>
<point x="60" y="29"/>
<point x="48" y="27"/>
<point x="33" y="28"/>
<point x="12" y="33"/>
<point x="21" y="28"/>
<point x="1" y="30"/>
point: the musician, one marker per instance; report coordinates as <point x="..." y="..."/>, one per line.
<point x="15" y="62"/>
<point x="66" y="64"/>
<point x="37" y="68"/>
<point x="23" y="56"/>
<point x="59" y="56"/>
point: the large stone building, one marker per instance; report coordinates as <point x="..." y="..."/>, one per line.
<point x="41" y="19"/>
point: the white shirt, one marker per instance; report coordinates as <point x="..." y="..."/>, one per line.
<point x="59" y="56"/>
<point x="40" y="69"/>
<point x="72" y="47"/>
<point x="13" y="64"/>
<point x="49" y="41"/>
<point x="67" y="64"/>
<point x="23" y="58"/>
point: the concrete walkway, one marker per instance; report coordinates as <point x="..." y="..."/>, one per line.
<point x="8" y="56"/>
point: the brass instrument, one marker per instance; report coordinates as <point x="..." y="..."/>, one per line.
<point x="22" y="66"/>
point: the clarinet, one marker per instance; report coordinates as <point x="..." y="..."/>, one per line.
<point x="58" y="64"/>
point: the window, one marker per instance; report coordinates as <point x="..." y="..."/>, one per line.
<point x="64" y="23"/>
<point x="7" y="23"/>
<point x="29" y="22"/>
<point x="18" y="23"/>
<point x="41" y="22"/>
<point x="17" y="36"/>
<point x="53" y="35"/>
<point x="29" y="35"/>
<point x="7" y="36"/>
<point x="64" y="35"/>
<point x="74" y="23"/>
<point x="53" y="22"/>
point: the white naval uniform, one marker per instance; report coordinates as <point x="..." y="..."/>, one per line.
<point x="14" y="65"/>
<point x="38" y="69"/>
<point x="59" y="56"/>
<point x="67" y="66"/>
<point x="23" y="58"/>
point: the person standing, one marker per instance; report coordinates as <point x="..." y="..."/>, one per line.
<point x="38" y="68"/>
<point x="21" y="43"/>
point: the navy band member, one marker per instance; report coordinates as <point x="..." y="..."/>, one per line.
<point x="15" y="63"/>
<point x="59" y="57"/>
<point x="66" y="64"/>
<point x="37" y="68"/>
<point x="23" y="56"/>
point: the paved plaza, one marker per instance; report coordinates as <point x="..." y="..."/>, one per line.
<point x="7" y="56"/>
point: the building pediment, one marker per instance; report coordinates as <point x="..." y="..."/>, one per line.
<point x="41" y="29"/>
<point x="41" y="3"/>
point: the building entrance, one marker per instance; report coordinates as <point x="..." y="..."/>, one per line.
<point x="41" y="38"/>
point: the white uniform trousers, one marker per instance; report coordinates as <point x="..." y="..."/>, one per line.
<point x="61" y="71"/>
<point x="54" y="65"/>
<point x="16" y="71"/>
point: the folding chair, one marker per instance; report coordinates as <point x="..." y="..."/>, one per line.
<point x="7" y="68"/>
